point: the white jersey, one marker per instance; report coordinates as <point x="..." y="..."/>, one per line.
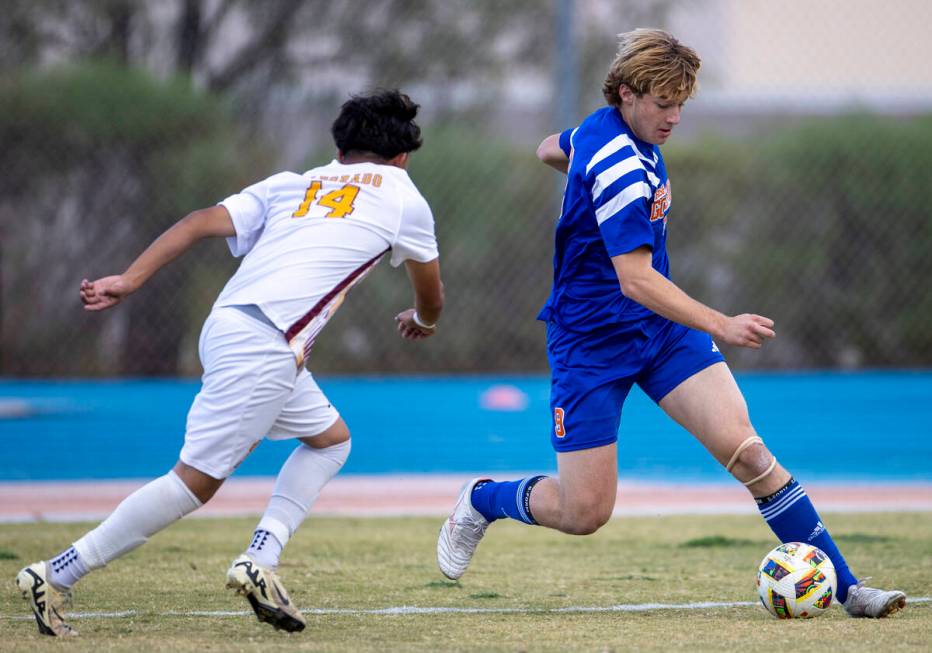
<point x="307" y="239"/>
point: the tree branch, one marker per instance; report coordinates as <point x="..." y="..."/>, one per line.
<point x="271" y="39"/>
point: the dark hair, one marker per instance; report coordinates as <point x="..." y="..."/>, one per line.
<point x="381" y="123"/>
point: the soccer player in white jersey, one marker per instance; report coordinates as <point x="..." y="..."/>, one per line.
<point x="307" y="239"/>
<point x="614" y="318"/>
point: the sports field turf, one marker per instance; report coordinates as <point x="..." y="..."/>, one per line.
<point x="528" y="589"/>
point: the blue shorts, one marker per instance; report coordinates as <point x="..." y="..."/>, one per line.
<point x="592" y="373"/>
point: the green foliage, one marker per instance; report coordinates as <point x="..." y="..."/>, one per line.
<point x="856" y="231"/>
<point x="825" y="228"/>
<point x="98" y="160"/>
<point x="103" y="105"/>
<point x="55" y="120"/>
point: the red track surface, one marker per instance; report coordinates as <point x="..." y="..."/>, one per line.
<point x="435" y="495"/>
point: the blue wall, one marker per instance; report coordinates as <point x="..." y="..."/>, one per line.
<point x="822" y="426"/>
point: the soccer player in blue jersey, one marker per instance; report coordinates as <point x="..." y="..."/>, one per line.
<point x="614" y="318"/>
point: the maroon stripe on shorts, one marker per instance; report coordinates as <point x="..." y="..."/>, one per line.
<point x="295" y="328"/>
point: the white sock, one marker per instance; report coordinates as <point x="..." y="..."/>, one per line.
<point x="66" y="569"/>
<point x="139" y="516"/>
<point x="265" y="548"/>
<point x="297" y="487"/>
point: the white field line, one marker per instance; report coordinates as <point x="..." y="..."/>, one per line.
<point x="413" y="610"/>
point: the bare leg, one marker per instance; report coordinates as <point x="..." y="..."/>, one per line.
<point x="201" y="485"/>
<point x="578" y="502"/>
<point x="710" y="406"/>
<point x="334" y="434"/>
<point x="581" y="499"/>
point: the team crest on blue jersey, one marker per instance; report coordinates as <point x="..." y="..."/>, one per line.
<point x="661" y="204"/>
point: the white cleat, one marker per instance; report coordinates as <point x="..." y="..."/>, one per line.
<point x="873" y="603"/>
<point x="460" y="534"/>
<point x="46" y="601"/>
<point x="265" y="593"/>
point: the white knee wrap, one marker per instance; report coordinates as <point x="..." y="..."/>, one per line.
<point x="769" y="470"/>
<point x="754" y="439"/>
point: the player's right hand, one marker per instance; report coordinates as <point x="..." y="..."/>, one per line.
<point x="747" y="330"/>
<point x="104" y="292"/>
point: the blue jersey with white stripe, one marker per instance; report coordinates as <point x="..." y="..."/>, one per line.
<point x="617" y="198"/>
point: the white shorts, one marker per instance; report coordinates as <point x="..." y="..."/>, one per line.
<point x="252" y="388"/>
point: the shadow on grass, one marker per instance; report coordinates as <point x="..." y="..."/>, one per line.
<point x="486" y="595"/>
<point x="862" y="538"/>
<point x="716" y="541"/>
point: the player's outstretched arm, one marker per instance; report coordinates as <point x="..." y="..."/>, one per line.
<point x="550" y="152"/>
<point x="421" y="321"/>
<point x="177" y="239"/>
<point x="642" y="283"/>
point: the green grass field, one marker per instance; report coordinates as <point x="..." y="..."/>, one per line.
<point x="527" y="574"/>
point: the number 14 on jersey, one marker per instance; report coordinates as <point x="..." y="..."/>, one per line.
<point x="339" y="201"/>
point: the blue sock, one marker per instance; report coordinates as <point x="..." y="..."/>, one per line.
<point x="791" y="515"/>
<point x="495" y="500"/>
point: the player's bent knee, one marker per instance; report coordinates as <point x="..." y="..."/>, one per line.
<point x="585" y="519"/>
<point x="752" y="462"/>
<point x="201" y="485"/>
<point x="585" y="524"/>
<point x="336" y="433"/>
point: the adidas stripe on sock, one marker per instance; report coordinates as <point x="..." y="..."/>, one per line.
<point x="792" y="517"/>
<point x="495" y="500"/>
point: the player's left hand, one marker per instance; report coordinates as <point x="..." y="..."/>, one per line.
<point x="409" y="329"/>
<point x="104" y="293"/>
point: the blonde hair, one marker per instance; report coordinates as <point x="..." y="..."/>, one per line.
<point x="652" y="61"/>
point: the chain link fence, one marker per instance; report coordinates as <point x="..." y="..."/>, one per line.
<point x="800" y="172"/>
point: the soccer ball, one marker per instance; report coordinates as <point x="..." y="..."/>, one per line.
<point x="796" y="580"/>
